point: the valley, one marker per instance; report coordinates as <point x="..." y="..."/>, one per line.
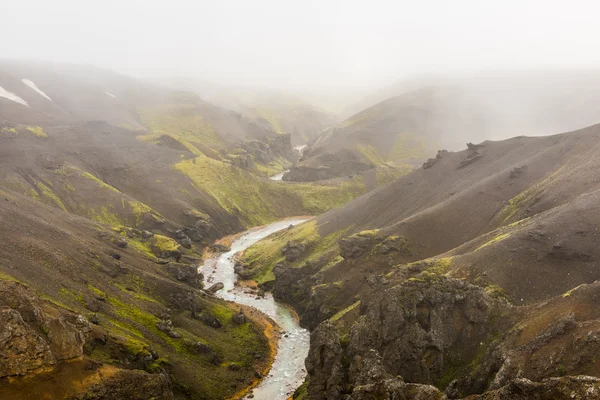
<point x="174" y="239"/>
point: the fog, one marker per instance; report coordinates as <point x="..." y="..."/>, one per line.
<point x="327" y="44"/>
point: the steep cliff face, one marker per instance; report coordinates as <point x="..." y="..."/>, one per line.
<point x="465" y="341"/>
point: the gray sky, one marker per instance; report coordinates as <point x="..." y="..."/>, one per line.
<point x="279" y="43"/>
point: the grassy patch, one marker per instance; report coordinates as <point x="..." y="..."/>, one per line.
<point x="496" y="239"/>
<point x="258" y="201"/>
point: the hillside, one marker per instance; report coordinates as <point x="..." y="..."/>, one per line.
<point x="502" y="235"/>
<point x="110" y="191"/>
<point x="414" y="119"/>
<point x="282" y="112"/>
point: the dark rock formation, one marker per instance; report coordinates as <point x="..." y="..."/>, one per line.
<point x="216" y="287"/>
<point x="34" y="335"/>
<point x="186" y="273"/>
<point x="239" y="318"/>
<point x="420" y="330"/>
<point x="219" y="248"/>
<point x="293" y="250"/>
<point x="133" y="385"/>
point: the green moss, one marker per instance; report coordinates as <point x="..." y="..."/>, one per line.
<point x="51" y="196"/>
<point x="345" y="311"/>
<point x="371" y="154"/>
<point x="101" y="183"/>
<point x="259" y="201"/>
<point x="389" y="172"/>
<point x="140" y="210"/>
<point x="142" y="247"/>
<point x="34" y="130"/>
<point x="184" y="123"/>
<point x="518" y="202"/>
<point x="518" y="222"/>
<point x="570" y="292"/>
<point x="495" y="291"/>
<point x="302" y="392"/>
<point x="105" y="216"/>
<point x="496" y="239"/>
<point x="37" y="131"/>
<point x="6" y="277"/>
<point x="163" y="244"/>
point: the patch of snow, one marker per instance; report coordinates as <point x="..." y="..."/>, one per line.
<point x="11" y="96"/>
<point x="111" y="95"/>
<point x="34" y="87"/>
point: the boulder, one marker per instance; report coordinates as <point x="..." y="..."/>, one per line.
<point x="219" y="248"/>
<point x="120" y="242"/>
<point x="186" y="242"/>
<point x="147" y="234"/>
<point x="293" y="250"/>
<point x="186" y="273"/>
<point x="202" y="226"/>
<point x="210" y="320"/>
<point x="216" y="287"/>
<point x="21" y="348"/>
<point x="239" y="318"/>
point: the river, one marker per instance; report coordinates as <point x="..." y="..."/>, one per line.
<point x="287" y="372"/>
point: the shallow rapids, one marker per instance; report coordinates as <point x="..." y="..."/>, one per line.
<point x="287" y="372"/>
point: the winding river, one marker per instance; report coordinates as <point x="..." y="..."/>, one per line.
<point x="287" y="372"/>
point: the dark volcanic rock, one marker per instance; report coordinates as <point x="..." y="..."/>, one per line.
<point x="210" y="320"/>
<point x="219" y="248"/>
<point x="239" y="318"/>
<point x="34" y="334"/>
<point x="216" y="287"/>
<point x="186" y="273"/>
<point x="134" y="385"/>
<point x="420" y="330"/>
<point x="293" y="250"/>
<point x="356" y="245"/>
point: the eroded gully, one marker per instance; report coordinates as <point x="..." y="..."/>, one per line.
<point x="287" y="371"/>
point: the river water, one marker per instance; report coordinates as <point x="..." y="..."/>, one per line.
<point x="287" y="372"/>
<point x="279" y="176"/>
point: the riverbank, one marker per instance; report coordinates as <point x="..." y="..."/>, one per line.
<point x="287" y="371"/>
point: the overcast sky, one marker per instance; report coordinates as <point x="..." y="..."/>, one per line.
<point x="282" y="43"/>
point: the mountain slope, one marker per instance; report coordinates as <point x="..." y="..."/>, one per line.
<point x="487" y="245"/>
<point x="416" y="118"/>
<point x="283" y="112"/>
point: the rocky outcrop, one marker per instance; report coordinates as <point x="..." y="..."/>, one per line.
<point x="328" y="166"/>
<point x="186" y="273"/>
<point x="216" y="287"/>
<point x="293" y="250"/>
<point x="421" y="330"/>
<point x="21" y="348"/>
<point x="358" y="244"/>
<point x="133" y="385"/>
<point x="558" y="388"/>
<point x="432" y="161"/>
<point x="35" y="335"/>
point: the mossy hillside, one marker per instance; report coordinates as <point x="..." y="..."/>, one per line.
<point x="520" y="201"/>
<point x="258" y="201"/>
<point x="264" y="255"/>
<point x="131" y="319"/>
<point x="36" y="131"/>
<point x="391" y="171"/>
<point x="184" y="123"/>
<point x="406" y="146"/>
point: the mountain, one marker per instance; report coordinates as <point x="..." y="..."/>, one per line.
<point x="283" y="112"/>
<point x="111" y="189"/>
<point x="423" y="116"/>
<point x="470" y="273"/>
